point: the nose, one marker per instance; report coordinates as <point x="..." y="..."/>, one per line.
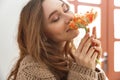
<point x="68" y="17"/>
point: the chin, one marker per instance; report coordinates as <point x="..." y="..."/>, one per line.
<point x="77" y="33"/>
<point x="74" y="35"/>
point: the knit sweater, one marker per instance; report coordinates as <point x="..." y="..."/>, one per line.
<point x="31" y="70"/>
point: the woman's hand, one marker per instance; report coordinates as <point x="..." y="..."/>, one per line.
<point x="88" y="51"/>
<point x="96" y="43"/>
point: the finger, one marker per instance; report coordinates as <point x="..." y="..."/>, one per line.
<point x="99" y="51"/>
<point x="90" y="52"/>
<point x="94" y="32"/>
<point x="86" y="46"/>
<point x="94" y="56"/>
<point x="83" y="41"/>
<point x="96" y="42"/>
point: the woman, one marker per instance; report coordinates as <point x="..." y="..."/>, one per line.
<point x="46" y="45"/>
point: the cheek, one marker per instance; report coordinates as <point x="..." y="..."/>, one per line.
<point x="53" y="31"/>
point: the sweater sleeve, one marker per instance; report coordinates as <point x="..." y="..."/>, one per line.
<point x="101" y="74"/>
<point x="29" y="70"/>
<point x="78" y="72"/>
<point x="34" y="73"/>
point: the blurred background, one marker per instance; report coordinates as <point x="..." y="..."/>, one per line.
<point x="107" y="24"/>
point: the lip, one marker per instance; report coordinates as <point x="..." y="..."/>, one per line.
<point x="68" y="30"/>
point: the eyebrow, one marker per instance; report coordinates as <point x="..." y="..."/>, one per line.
<point x="55" y="11"/>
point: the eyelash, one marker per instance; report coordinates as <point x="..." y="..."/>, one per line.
<point x="56" y="20"/>
<point x="65" y="10"/>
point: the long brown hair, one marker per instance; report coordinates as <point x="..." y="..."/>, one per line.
<point x="32" y="41"/>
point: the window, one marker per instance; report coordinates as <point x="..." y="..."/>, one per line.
<point x="91" y="1"/>
<point x="108" y="31"/>
<point x="116" y="35"/>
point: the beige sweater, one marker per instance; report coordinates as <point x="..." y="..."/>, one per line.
<point x="30" y="70"/>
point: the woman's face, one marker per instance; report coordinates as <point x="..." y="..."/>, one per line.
<point x="56" y="19"/>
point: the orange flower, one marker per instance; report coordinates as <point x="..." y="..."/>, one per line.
<point x="73" y="25"/>
<point x="91" y="16"/>
<point x="81" y="21"/>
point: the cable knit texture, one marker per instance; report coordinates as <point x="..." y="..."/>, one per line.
<point x="31" y="70"/>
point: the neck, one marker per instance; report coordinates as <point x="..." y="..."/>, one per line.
<point x="61" y="46"/>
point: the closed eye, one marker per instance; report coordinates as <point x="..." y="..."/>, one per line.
<point x="56" y="18"/>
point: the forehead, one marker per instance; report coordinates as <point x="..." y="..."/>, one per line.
<point x="50" y="5"/>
